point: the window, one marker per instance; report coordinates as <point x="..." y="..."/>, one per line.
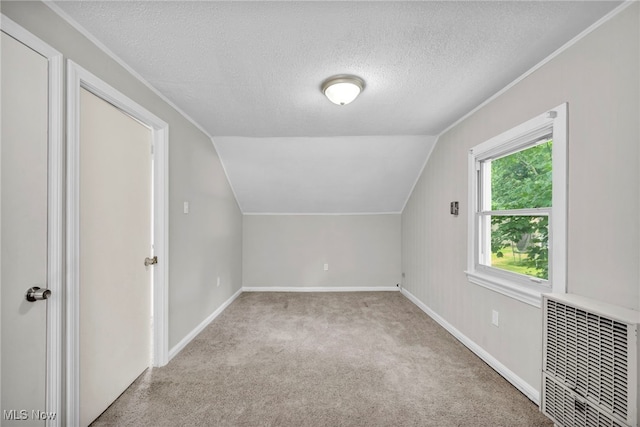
<point x="517" y="215"/>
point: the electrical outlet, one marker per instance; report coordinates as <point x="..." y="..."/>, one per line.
<point x="326" y="267"/>
<point x="495" y="318"/>
<point x="218" y="282"/>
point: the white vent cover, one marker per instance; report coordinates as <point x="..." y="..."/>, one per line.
<point x="589" y="363"/>
<point x="568" y="409"/>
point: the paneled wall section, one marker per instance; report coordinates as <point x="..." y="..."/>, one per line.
<point x="598" y="77"/>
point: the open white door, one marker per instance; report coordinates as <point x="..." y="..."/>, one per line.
<point x="115" y="239"/>
<point x="117" y="184"/>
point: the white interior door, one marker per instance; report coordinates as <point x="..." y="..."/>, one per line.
<point x="23" y="231"/>
<point x="115" y="238"/>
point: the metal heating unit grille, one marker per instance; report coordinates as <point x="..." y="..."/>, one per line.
<point x="568" y="409"/>
<point x="589" y="366"/>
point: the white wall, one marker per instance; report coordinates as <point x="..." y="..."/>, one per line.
<point x="203" y="244"/>
<point x="599" y="78"/>
<point x="291" y="250"/>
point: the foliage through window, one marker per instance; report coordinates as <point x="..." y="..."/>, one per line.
<point x="521" y="180"/>
<point x="517" y="218"/>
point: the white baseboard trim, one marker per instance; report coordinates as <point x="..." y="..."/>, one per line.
<point x="515" y="380"/>
<point x="191" y="335"/>
<point x="319" y="289"/>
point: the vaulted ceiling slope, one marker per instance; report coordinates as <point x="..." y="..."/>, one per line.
<point x="250" y="73"/>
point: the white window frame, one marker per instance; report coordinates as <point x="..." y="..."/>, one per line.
<point x="523" y="288"/>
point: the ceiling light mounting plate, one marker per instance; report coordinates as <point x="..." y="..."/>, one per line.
<point x="343" y="88"/>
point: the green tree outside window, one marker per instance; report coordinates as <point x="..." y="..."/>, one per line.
<point x="522" y="180"/>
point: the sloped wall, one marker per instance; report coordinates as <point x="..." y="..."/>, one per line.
<point x="207" y="242"/>
<point x="599" y="77"/>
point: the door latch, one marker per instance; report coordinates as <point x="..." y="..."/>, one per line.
<point x="150" y="261"/>
<point x="37" y="294"/>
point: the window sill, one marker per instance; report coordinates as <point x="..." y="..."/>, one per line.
<point x="506" y="287"/>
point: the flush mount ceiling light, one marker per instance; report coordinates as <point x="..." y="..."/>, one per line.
<point x="342" y="89"/>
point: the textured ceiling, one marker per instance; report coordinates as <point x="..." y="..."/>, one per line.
<point x="254" y="70"/>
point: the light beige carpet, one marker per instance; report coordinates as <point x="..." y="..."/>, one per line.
<point x="323" y="359"/>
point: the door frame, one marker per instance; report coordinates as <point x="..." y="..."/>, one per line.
<point x="55" y="222"/>
<point x="79" y="78"/>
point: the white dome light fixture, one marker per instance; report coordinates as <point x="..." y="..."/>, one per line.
<point x="342" y="89"/>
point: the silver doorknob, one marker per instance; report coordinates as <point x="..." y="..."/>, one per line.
<point x="37" y="294"/>
<point x="150" y="261"/>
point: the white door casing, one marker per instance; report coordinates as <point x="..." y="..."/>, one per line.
<point x="35" y="223"/>
<point x="78" y="79"/>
